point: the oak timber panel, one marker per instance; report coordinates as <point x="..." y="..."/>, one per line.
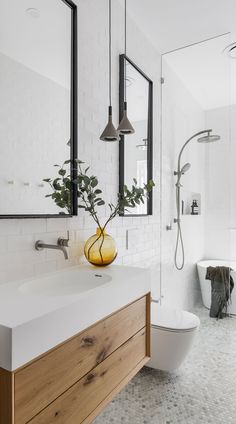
<point x="6" y="397"/>
<point x="42" y="381"/>
<point x="77" y="403"/>
<point x="90" y="419"/>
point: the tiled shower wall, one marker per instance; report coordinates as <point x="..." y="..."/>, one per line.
<point x="18" y="258"/>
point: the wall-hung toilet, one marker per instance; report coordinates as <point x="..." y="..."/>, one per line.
<point x="172" y="335"/>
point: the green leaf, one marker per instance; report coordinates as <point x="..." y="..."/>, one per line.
<point x="47" y="180"/>
<point x="56" y="186"/>
<point x="94" y="182"/>
<point x="86" y="180"/>
<point x="62" y="172"/>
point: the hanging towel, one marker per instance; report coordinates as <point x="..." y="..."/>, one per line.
<point x="222" y="285"/>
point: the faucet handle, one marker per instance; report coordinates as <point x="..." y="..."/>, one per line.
<point x="64" y="242"/>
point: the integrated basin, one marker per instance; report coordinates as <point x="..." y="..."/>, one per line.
<point x="65" y="284"/>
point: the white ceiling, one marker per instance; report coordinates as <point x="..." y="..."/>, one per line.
<point x="206" y="72"/>
<point x="170" y="24"/>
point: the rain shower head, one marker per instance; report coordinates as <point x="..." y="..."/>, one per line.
<point x="185" y="168"/>
<point x="209" y="138"/>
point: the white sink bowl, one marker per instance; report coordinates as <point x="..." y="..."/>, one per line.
<point x="65" y="284"/>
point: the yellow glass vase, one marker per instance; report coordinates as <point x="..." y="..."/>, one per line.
<point x="100" y="249"/>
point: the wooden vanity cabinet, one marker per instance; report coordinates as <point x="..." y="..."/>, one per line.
<point x="73" y="382"/>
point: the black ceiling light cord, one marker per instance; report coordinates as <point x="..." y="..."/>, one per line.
<point x="110" y="133"/>
<point x="125" y="127"/>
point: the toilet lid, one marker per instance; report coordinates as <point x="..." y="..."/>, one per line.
<point x="173" y="319"/>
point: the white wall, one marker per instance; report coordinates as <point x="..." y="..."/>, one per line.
<point x="220" y="190"/>
<point x="182" y="117"/>
<point x="18" y="258"/>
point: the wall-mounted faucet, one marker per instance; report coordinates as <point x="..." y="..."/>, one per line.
<point x="62" y="244"/>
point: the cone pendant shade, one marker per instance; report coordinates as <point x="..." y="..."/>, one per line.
<point x="125" y="127"/>
<point x="110" y="133"/>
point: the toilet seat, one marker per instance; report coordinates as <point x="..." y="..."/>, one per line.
<point x="173" y="320"/>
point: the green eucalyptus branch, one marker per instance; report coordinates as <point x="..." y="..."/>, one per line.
<point x="90" y="196"/>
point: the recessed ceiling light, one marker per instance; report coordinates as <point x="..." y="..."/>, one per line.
<point x="230" y="50"/>
<point x="33" y="12"/>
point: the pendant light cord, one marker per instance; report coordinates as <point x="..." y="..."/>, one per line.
<point x="110" y="52"/>
<point x="125" y="70"/>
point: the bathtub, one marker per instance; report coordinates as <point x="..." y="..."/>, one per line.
<point x="206" y="284"/>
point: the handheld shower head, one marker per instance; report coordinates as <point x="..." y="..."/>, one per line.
<point x="185" y="168"/>
<point x="180" y="173"/>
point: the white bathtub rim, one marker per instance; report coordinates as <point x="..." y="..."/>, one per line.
<point x="204" y="263"/>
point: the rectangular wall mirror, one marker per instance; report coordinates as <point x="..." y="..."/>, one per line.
<point x="136" y="149"/>
<point x="38" y="103"/>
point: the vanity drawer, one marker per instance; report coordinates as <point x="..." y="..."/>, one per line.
<point x="76" y="405"/>
<point x="45" y="379"/>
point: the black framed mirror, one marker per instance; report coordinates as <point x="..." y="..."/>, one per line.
<point x="136" y="150"/>
<point x="38" y="104"/>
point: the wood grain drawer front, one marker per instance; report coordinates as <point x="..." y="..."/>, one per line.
<point x="75" y="405"/>
<point x="42" y="381"/>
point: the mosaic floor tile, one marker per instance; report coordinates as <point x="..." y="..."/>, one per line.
<point x="202" y="391"/>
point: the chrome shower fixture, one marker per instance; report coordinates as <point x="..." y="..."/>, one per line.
<point x="206" y="138"/>
<point x="183" y="170"/>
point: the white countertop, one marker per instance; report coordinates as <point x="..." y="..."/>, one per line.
<point x="33" y="323"/>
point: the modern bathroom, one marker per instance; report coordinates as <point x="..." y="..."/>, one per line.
<point x="117" y="220"/>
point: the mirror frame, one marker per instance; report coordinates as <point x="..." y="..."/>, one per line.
<point x="73" y="120"/>
<point x="123" y="57"/>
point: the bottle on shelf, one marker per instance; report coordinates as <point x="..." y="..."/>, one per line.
<point x="195" y="208"/>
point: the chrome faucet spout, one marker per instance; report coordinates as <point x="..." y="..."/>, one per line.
<point x="61" y="245"/>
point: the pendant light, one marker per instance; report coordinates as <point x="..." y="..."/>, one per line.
<point x="125" y="127"/>
<point x="110" y="133"/>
